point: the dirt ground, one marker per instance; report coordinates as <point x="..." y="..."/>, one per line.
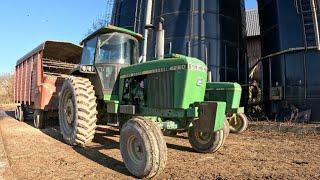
<point x="35" y="154"/>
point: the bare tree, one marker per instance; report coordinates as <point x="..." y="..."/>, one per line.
<point x="6" y="88"/>
<point x="103" y="19"/>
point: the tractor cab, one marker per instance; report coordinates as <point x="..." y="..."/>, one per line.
<point x="108" y="50"/>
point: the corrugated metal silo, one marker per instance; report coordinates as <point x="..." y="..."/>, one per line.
<point x="292" y="61"/>
<point x="211" y="30"/>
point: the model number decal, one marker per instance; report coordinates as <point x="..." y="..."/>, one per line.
<point x="166" y="69"/>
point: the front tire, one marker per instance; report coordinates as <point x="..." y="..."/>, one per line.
<point x="143" y="148"/>
<point x="39" y="119"/>
<point x="206" y="142"/>
<point x="77" y="111"/>
<point x="226" y="128"/>
<point x="239" y="124"/>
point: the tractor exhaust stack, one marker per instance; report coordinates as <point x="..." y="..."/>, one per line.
<point x="160" y="40"/>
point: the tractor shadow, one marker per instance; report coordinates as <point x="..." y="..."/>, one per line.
<point x="178" y="137"/>
<point x="180" y="148"/>
<point x="10" y="114"/>
<point x="101" y="141"/>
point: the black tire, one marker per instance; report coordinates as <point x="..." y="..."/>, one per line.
<point x="39" y="119"/>
<point x="77" y="111"/>
<point x="206" y="142"/>
<point x="226" y="128"/>
<point x="19" y="114"/>
<point x="143" y="148"/>
<point x="239" y="124"/>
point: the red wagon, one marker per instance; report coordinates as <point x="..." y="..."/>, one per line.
<point x="39" y="76"/>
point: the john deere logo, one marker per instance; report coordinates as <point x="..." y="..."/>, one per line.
<point x="199" y="82"/>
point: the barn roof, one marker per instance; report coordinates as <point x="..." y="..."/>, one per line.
<point x="253" y="25"/>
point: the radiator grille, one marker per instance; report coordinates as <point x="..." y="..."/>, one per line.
<point x="160" y="93"/>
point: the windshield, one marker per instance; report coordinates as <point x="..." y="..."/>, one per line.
<point x="117" y="48"/>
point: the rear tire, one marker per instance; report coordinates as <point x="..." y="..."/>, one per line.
<point x="239" y="124"/>
<point x="206" y="142"/>
<point x="143" y="148"/>
<point x="77" y="111"/>
<point x="19" y="114"/>
<point x="39" y="119"/>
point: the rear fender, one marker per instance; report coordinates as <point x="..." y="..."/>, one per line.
<point x="94" y="78"/>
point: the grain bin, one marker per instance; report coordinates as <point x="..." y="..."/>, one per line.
<point x="211" y="30"/>
<point x="291" y="58"/>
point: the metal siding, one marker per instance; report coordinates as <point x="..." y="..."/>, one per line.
<point x="15" y="85"/>
<point x="206" y="29"/>
<point x="34" y="78"/>
<point x="20" y="83"/>
<point x="252" y="23"/>
<point x="25" y="75"/>
<point x="254" y="50"/>
<point x="29" y="87"/>
<point x="281" y="29"/>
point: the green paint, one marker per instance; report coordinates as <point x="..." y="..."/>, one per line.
<point x="168" y="89"/>
<point x="220" y="116"/>
<point x="112" y="106"/>
<point x="110" y="29"/>
<point x="168" y="113"/>
<point x="226" y="92"/>
<point x="183" y="79"/>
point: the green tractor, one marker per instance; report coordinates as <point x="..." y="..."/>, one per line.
<point x="142" y="98"/>
<point x="231" y="94"/>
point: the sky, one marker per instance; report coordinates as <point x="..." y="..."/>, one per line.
<point x="250" y="4"/>
<point x="26" y="24"/>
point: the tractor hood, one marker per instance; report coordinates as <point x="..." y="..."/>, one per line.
<point x="173" y="62"/>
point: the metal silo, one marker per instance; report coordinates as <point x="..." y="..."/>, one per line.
<point x="211" y="30"/>
<point x="129" y="14"/>
<point x="290" y="40"/>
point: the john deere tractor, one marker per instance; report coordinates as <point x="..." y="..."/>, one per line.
<point x="142" y="98"/>
<point x="231" y="94"/>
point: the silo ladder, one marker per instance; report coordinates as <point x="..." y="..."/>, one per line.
<point x="309" y="16"/>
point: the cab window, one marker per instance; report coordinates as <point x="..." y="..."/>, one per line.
<point x="89" y="51"/>
<point x="117" y="48"/>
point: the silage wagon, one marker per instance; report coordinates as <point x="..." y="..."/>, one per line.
<point x="39" y="76"/>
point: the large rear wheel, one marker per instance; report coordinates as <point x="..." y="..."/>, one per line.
<point x="143" y="148"/>
<point x="77" y="111"/>
<point x="239" y="123"/>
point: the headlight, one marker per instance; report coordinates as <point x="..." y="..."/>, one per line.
<point x="84" y="68"/>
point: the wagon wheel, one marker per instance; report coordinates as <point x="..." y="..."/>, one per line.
<point x="77" y="111"/>
<point x="19" y="114"/>
<point x="143" y="148"/>
<point x="239" y="124"/>
<point x="39" y="118"/>
<point x="207" y="142"/>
